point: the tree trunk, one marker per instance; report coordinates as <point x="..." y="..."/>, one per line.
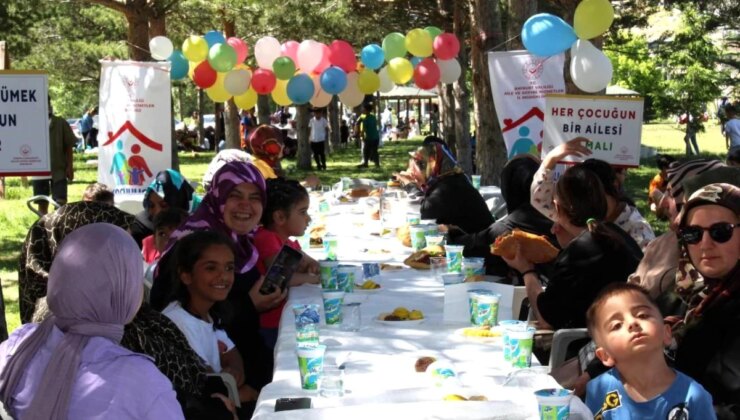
<point x="334" y="123"/>
<point x="447" y="117"/>
<point x="231" y="112"/>
<point x="490" y="148"/>
<point x="263" y="109"/>
<point x="461" y="93"/>
<point x="157" y="25"/>
<point x="303" y="155"/>
<point x="199" y="123"/>
<point x="138" y="34"/>
<point x="518" y="12"/>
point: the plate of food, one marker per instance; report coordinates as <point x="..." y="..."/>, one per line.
<point x="401" y="316"/>
<point x="367" y="286"/>
<point x="421" y="259"/>
<point x="484" y="333"/>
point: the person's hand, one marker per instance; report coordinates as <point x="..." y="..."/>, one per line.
<point x="574" y="147"/>
<point x="238" y="374"/>
<point x="265" y="302"/>
<point x="309" y="265"/>
<point x="70" y="174"/>
<point x="227" y="402"/>
<point x="579" y="387"/>
<point x="519" y="263"/>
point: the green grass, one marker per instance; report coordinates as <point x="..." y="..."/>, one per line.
<point x="15" y="218"/>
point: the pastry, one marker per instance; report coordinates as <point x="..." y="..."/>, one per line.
<point x="423" y="363"/>
<point x="359" y="192"/>
<point x="534" y="248"/>
<point x="421" y="259"/>
<point x="404" y="235"/>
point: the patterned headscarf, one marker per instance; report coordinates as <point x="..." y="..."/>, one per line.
<point x="222" y="158"/>
<point x="680" y="171"/>
<point x="266" y="143"/>
<point x="173" y="188"/>
<point x="210" y="214"/>
<point x="431" y="162"/>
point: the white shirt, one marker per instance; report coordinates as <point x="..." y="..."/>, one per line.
<point x="318" y="129"/>
<point x="732" y="130"/>
<point x="202" y="336"/>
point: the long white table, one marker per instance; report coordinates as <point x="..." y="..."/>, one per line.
<point x="380" y="379"/>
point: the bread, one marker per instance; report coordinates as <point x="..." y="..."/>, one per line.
<point x="404" y="235"/>
<point x="359" y="192"/>
<point x="421" y="259"/>
<point x="423" y="363"/>
<point x="535" y="248"/>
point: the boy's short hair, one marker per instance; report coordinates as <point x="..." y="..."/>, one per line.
<point x="170" y="217"/>
<point x="99" y="193"/>
<point x="612" y="290"/>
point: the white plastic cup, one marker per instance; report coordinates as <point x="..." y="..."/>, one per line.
<point x="310" y="365"/>
<point x="554" y="403"/>
<point x="454" y="255"/>
<point x="333" y="306"/>
<point x="328" y="274"/>
<point x="452" y="278"/>
<point x="474" y="269"/>
<point x="307" y="320"/>
<point x="346" y="278"/>
<point x="510" y="325"/>
<point x="413" y="218"/>
<point x="435" y="239"/>
<point x="417" y="237"/>
<point x="521" y="343"/>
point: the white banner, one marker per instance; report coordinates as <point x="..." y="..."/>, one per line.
<point x="519" y="82"/>
<point x="614" y="126"/>
<point x="24" y="123"/>
<point x="135" y="120"/>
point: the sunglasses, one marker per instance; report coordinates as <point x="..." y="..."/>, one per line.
<point x="719" y="232"/>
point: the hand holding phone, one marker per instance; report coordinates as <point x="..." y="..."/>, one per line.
<point x="281" y="270"/>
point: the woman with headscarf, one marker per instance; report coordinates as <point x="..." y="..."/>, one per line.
<point x="233" y="206"/>
<point x="516" y="177"/>
<point x="71" y="365"/>
<point x="266" y="144"/>
<point x="169" y="189"/>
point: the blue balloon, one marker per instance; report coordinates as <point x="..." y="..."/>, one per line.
<point x="333" y="80"/>
<point x="545" y="35"/>
<point x="213" y="38"/>
<point x="300" y="89"/>
<point x="180" y="65"/>
<point x="372" y="56"/>
<point x="415" y="61"/>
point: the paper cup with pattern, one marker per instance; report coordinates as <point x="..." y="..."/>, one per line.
<point x="454" y="255"/>
<point x="310" y="365"/>
<point x="307" y="320"/>
<point x="333" y="306"/>
<point x="328" y="274"/>
<point x="346" y="278"/>
<point x="521" y="343"/>
<point x="554" y="403"/>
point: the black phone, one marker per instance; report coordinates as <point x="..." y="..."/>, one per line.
<point x="281" y="270"/>
<point x="285" y="404"/>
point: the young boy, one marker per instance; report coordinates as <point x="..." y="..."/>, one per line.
<point x="630" y="336"/>
<point x="164" y="224"/>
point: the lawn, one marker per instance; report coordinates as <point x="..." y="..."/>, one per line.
<point x="15" y="218"/>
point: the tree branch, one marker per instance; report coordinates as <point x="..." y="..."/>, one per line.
<point x="111" y="4"/>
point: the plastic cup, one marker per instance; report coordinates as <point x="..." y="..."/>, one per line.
<point x="554" y="403"/>
<point x="438" y="266"/>
<point x="333" y="306"/>
<point x="307" y="323"/>
<point x="473" y="301"/>
<point x="346" y="278"/>
<point x="474" y="269"/>
<point x="328" y="274"/>
<point x="486" y="309"/>
<point x="324" y="206"/>
<point x="417" y="237"/>
<point x="351" y="317"/>
<point x="454" y="258"/>
<point x="310" y="365"/>
<point x="330" y="247"/>
<point x="413" y="218"/>
<point x="521" y="343"/>
<point x="452" y="278"/>
<point x="476" y="181"/>
<point x="430" y="228"/>
<point x="510" y="325"/>
<point x="435" y="239"/>
<point x="331" y="382"/>
<point x="370" y="270"/>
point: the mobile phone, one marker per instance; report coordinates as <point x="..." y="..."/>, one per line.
<point x="281" y="270"/>
<point x="285" y="404"/>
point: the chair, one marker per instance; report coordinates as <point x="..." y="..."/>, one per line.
<point x="36" y="198"/>
<point x="561" y="339"/>
<point x="230" y="384"/>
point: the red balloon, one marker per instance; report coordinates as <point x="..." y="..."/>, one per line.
<point x="263" y="81"/>
<point x="204" y="76"/>
<point x="241" y="48"/>
<point x="426" y="74"/>
<point x="325" y="60"/>
<point x="446" y="46"/>
<point x="342" y="55"/>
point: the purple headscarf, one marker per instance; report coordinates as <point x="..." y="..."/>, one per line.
<point x="210" y="214"/>
<point x="87" y="300"/>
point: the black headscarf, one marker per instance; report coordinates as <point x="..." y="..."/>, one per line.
<point x="516" y="179"/>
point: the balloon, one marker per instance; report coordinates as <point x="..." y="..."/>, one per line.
<point x="300" y="89"/>
<point x="400" y="70"/>
<point x="195" y="48"/>
<point x="351" y="96"/>
<point x="213" y="38"/>
<point x="446" y="46"/>
<point x="204" y="75"/>
<point x="241" y="48"/>
<point x="222" y="57"/>
<point x="419" y="43"/>
<point x="179" y="67"/>
<point x="449" y="71"/>
<point x="237" y="81"/>
<point x="160" y="47"/>
<point x="266" y="50"/>
<point x="218" y="92"/>
<point x="263" y="81"/>
<point x="368" y="82"/>
<point x="426" y="74"/>
<point x="333" y="80"/>
<point x="415" y="61"/>
<point x="593" y="18"/>
<point x="310" y="54"/>
<point x="386" y="84"/>
<point x="290" y="49"/>
<point x="320" y="98"/>
<point x="280" y="93"/>
<point x="246" y="100"/>
<point x="372" y="56"/>
<point x="283" y="67"/>
<point x="342" y="55"/>
<point x="545" y="35"/>
<point x="324" y="63"/>
<point x="191" y="68"/>
<point x="590" y="69"/>
<point x="394" y="45"/>
<point x="433" y="31"/>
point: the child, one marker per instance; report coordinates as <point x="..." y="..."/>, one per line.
<point x="630" y="336"/>
<point x="285" y="215"/>
<point x="99" y="193"/>
<point x="165" y="222"/>
<point x="204" y="264"/>
<point x="659" y="184"/>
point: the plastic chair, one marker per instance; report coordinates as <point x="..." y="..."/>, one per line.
<point x="230" y="384"/>
<point x="36" y="198"/>
<point x="561" y="339"/>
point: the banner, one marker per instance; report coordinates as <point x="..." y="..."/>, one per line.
<point x="135" y="125"/>
<point x="24" y="123"/>
<point x="519" y="82"/>
<point x="614" y="126"/>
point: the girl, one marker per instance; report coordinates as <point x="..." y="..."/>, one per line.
<point x="203" y="277"/>
<point x="285" y="215"/>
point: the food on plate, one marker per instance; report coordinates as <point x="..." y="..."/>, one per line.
<point x="368" y="285"/>
<point x="401" y="312"/>
<point x="316" y="238"/>
<point x="389" y="267"/>
<point x="391" y="317"/>
<point x="421" y="259"/>
<point x="454" y="397"/>
<point x="359" y="192"/>
<point x="534" y="248"/>
<point x="423" y="363"/>
<point x="482" y="331"/>
<point x="404" y="235"/>
<point x="416" y="314"/>
<point x="393" y="184"/>
<point x="478" y="398"/>
<point x="344" y="199"/>
<point x="376" y="193"/>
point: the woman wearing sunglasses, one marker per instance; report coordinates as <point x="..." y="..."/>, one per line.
<point x="708" y="337"/>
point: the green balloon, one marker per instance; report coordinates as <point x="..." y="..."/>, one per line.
<point x="283" y="67"/>
<point x="433" y="31"/>
<point x="222" y="57"/>
<point x="394" y="45"/>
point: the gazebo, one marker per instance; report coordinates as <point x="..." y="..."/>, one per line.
<point x="408" y="93"/>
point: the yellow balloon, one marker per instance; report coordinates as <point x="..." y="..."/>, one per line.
<point x="368" y="82"/>
<point x="246" y="100"/>
<point x="280" y="93"/>
<point x="218" y="92"/>
<point x="400" y="70"/>
<point x="593" y="18"/>
<point x="195" y="48"/>
<point x="191" y="69"/>
<point x="419" y="43"/>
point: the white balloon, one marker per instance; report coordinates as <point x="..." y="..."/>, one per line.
<point x="351" y="95"/>
<point x="386" y="84"/>
<point x="449" y="71"/>
<point x="590" y="69"/>
<point x="310" y="54"/>
<point x="160" y="47"/>
<point x="266" y="50"/>
<point x="320" y="98"/>
<point x="237" y="81"/>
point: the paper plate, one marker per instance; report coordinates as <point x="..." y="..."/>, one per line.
<point x="407" y="323"/>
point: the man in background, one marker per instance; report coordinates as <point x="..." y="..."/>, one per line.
<point x="319" y="133"/>
<point x="370" y="138"/>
